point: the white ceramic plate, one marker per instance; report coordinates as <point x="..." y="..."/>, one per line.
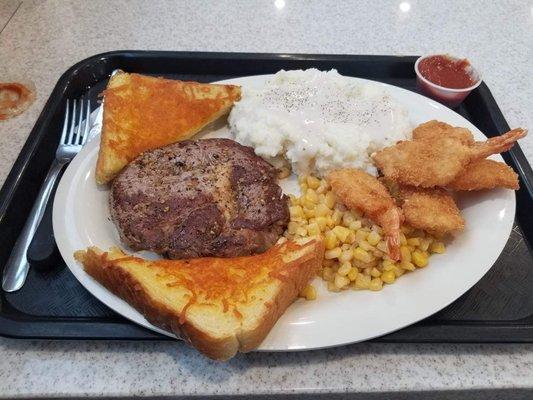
<point x="81" y="219"/>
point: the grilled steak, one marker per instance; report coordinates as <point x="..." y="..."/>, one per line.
<point x="197" y="198"/>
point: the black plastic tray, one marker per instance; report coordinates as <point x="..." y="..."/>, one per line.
<point x="54" y="305"/>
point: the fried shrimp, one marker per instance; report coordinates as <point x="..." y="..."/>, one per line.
<point x="437" y="161"/>
<point x="361" y="191"/>
<point x="485" y="174"/>
<point x="432" y="210"/>
<point x="435" y="129"/>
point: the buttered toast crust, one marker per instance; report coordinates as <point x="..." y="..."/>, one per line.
<point x="219" y="305"/>
<point x="143" y="113"/>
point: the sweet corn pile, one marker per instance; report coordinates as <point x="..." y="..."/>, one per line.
<point x="356" y="254"/>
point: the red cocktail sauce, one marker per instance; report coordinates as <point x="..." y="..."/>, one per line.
<point x="446" y="72"/>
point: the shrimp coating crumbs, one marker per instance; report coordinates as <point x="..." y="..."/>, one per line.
<point x="435" y="129"/>
<point x="432" y="210"/>
<point x="485" y="174"/>
<point x="361" y="191"/>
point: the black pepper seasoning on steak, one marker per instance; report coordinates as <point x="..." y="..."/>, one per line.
<point x="198" y="198"/>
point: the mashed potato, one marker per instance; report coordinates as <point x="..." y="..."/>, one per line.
<point x="318" y="121"/>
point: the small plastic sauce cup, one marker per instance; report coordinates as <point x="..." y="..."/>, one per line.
<point x="448" y="96"/>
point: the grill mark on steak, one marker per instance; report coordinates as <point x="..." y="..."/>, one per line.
<point x="197" y="198"/>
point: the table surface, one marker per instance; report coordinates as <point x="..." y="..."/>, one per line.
<point x="40" y="39"/>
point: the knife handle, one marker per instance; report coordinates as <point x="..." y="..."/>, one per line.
<point x="17" y="267"/>
<point x="43" y="253"/>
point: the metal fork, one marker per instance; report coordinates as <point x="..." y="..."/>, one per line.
<point x="73" y="137"/>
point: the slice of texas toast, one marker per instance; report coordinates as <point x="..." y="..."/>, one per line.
<point x="219" y="305"/>
<point x="143" y="112"/>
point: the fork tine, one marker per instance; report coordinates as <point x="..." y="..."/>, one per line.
<point x="80" y="119"/>
<point x="87" y="124"/>
<point x="65" y="124"/>
<point x="72" y="123"/>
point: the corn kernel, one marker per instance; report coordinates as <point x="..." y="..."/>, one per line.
<point x="425" y="243"/>
<point x="333" y="253"/>
<point x="388" y="277"/>
<point x="355" y="225"/>
<point x="403" y="240"/>
<point x="362" y="281"/>
<point x="437" y="247"/>
<point x="313" y="182"/>
<point x="322" y="222"/>
<point x="373" y="238"/>
<point x="328" y="274"/>
<point x="375" y="272"/>
<point x="322" y="189"/>
<point x="296" y="212"/>
<point x="346" y="255"/>
<point x="330" y="240"/>
<point x="352" y="275"/>
<point x="398" y="271"/>
<point x="420" y="259"/>
<point x="309" y="212"/>
<point x="307" y="204"/>
<point x="332" y="287"/>
<point x="413" y="242"/>
<point x="388" y="265"/>
<point x="301" y="231"/>
<point x="360" y="235"/>
<point x="311" y="195"/>
<point x="322" y="210"/>
<point x="376" y="253"/>
<point x="330" y="200"/>
<point x="376" y="284"/>
<point x="382" y="246"/>
<point x="365" y="245"/>
<point x="405" y="253"/>
<point x="362" y="255"/>
<point x="313" y="229"/>
<point x="341" y="232"/>
<point x="292" y="227"/>
<point x="331" y="223"/>
<point x="407" y="265"/>
<point x="344" y="268"/>
<point x="337" y="215"/>
<point x="309" y="292"/>
<point x="303" y="187"/>
<point x="347" y="219"/>
<point x="341" y="281"/>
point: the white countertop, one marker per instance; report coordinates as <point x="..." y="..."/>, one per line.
<point x="43" y="38"/>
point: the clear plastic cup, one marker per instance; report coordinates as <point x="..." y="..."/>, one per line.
<point x="448" y="96"/>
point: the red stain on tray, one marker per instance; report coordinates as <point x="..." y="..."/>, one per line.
<point x="15" y="98"/>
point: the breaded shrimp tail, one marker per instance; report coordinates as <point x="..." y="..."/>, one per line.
<point x="497" y="144"/>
